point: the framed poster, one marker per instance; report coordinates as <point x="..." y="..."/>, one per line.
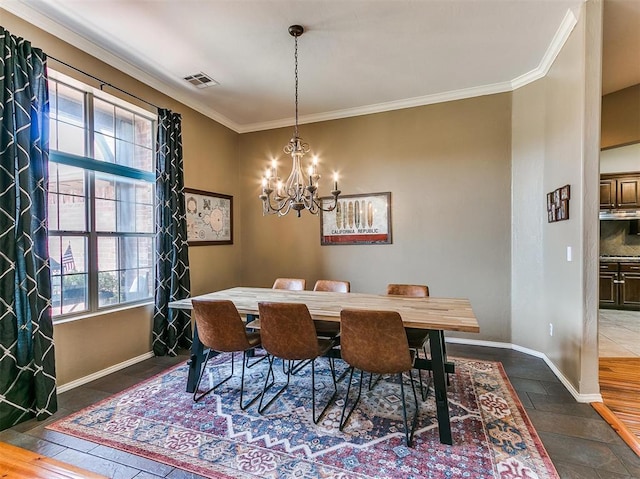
<point x="357" y="219"/>
<point x="209" y="218"/>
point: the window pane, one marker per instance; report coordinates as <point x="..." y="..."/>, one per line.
<point x="69" y="278"/>
<point x="143" y="159"/>
<point x="70" y="139"/>
<point x="72" y="216"/>
<point x="74" y="293"/>
<point x="105" y="215"/>
<point x="128" y="252"/>
<point x="55" y="255"/>
<point x="103" y="117"/>
<point x="104" y="148"/>
<point x="73" y="254"/>
<point x="105" y="186"/>
<point x="70" y="180"/>
<point x="70" y="105"/>
<point x="144" y="132"/>
<point x="145" y="252"/>
<point x="52" y="211"/>
<point x="144" y="193"/>
<point x="107" y="256"/>
<point x="124" y="125"/>
<point x="144" y="219"/>
<point x="135" y="284"/>
<point x="107" y="288"/>
<point x="124" y="153"/>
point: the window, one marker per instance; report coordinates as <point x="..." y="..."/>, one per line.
<point x="101" y="193"/>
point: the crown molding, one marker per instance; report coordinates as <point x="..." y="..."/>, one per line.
<point x="21" y="9"/>
<point x="383" y="107"/>
<point x="559" y="39"/>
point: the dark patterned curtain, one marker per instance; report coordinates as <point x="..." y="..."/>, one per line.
<point x="171" y="328"/>
<point x="27" y="364"/>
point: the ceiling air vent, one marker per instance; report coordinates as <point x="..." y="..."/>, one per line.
<point x="201" y="80"/>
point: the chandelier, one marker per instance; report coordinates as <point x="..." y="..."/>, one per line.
<point x="299" y="191"/>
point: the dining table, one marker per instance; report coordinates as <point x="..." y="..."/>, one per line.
<point x="431" y="313"/>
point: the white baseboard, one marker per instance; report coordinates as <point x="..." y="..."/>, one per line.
<point x="583" y="398"/>
<point x="104" y="372"/>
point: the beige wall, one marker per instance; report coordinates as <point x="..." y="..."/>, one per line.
<point x="86" y="346"/>
<point x="554" y="120"/>
<point x="621" y="117"/>
<point x="447" y="167"/>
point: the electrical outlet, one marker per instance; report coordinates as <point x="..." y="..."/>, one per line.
<point x="550" y="329"/>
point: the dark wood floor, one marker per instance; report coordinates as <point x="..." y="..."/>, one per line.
<point x="581" y="444"/>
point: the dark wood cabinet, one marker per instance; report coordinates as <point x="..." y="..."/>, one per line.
<point x="628" y="192"/>
<point x="620" y="191"/>
<point x="607" y="193"/>
<point x="608" y="285"/>
<point x="630" y="284"/>
<point x="620" y="285"/>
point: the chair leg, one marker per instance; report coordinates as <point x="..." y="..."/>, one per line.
<point x="262" y="408"/>
<point x="316" y="420"/>
<point x="197" y="397"/>
<point x="245" y="359"/>
<point x="343" y="420"/>
<point x="373" y="385"/>
<point x="408" y="432"/>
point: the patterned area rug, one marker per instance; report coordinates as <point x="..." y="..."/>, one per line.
<point x="157" y="419"/>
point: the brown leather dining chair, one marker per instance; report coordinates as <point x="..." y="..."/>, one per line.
<point x="292" y="284"/>
<point x="330" y="329"/>
<point x="288" y="333"/>
<point x="221" y="330"/>
<point x="375" y="342"/>
<point x="418" y="338"/>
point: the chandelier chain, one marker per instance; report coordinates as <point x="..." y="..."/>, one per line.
<point x="296" y="78"/>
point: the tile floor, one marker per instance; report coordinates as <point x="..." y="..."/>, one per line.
<point x="580" y="443"/>
<point x="619" y="334"/>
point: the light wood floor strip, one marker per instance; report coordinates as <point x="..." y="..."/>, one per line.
<point x="620" y="390"/>
<point x="17" y="463"/>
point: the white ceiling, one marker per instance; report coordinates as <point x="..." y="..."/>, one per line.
<point x="355" y="57"/>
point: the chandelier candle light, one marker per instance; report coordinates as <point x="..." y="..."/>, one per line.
<point x="299" y="192"/>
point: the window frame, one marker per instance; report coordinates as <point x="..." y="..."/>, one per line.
<point x="90" y="167"/>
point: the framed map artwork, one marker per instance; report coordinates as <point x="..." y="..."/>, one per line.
<point x="209" y="218"/>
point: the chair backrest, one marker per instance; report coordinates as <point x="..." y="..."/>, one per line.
<point x="413" y="290"/>
<point x="374" y="341"/>
<point x="220" y="326"/>
<point x="332" y="285"/>
<point x="287" y="330"/>
<point x="292" y="284"/>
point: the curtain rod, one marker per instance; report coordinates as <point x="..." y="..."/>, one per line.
<point x="102" y="82"/>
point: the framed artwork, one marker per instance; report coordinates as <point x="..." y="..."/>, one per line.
<point x="357" y="219"/>
<point x="558" y="204"/>
<point x="209" y="218"/>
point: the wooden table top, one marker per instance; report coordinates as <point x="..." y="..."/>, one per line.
<point x="424" y="313"/>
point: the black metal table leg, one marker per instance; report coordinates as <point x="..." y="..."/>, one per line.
<point x="440" y="386"/>
<point x="195" y="361"/>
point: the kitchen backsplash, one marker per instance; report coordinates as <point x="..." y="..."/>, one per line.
<point x="616" y="240"/>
